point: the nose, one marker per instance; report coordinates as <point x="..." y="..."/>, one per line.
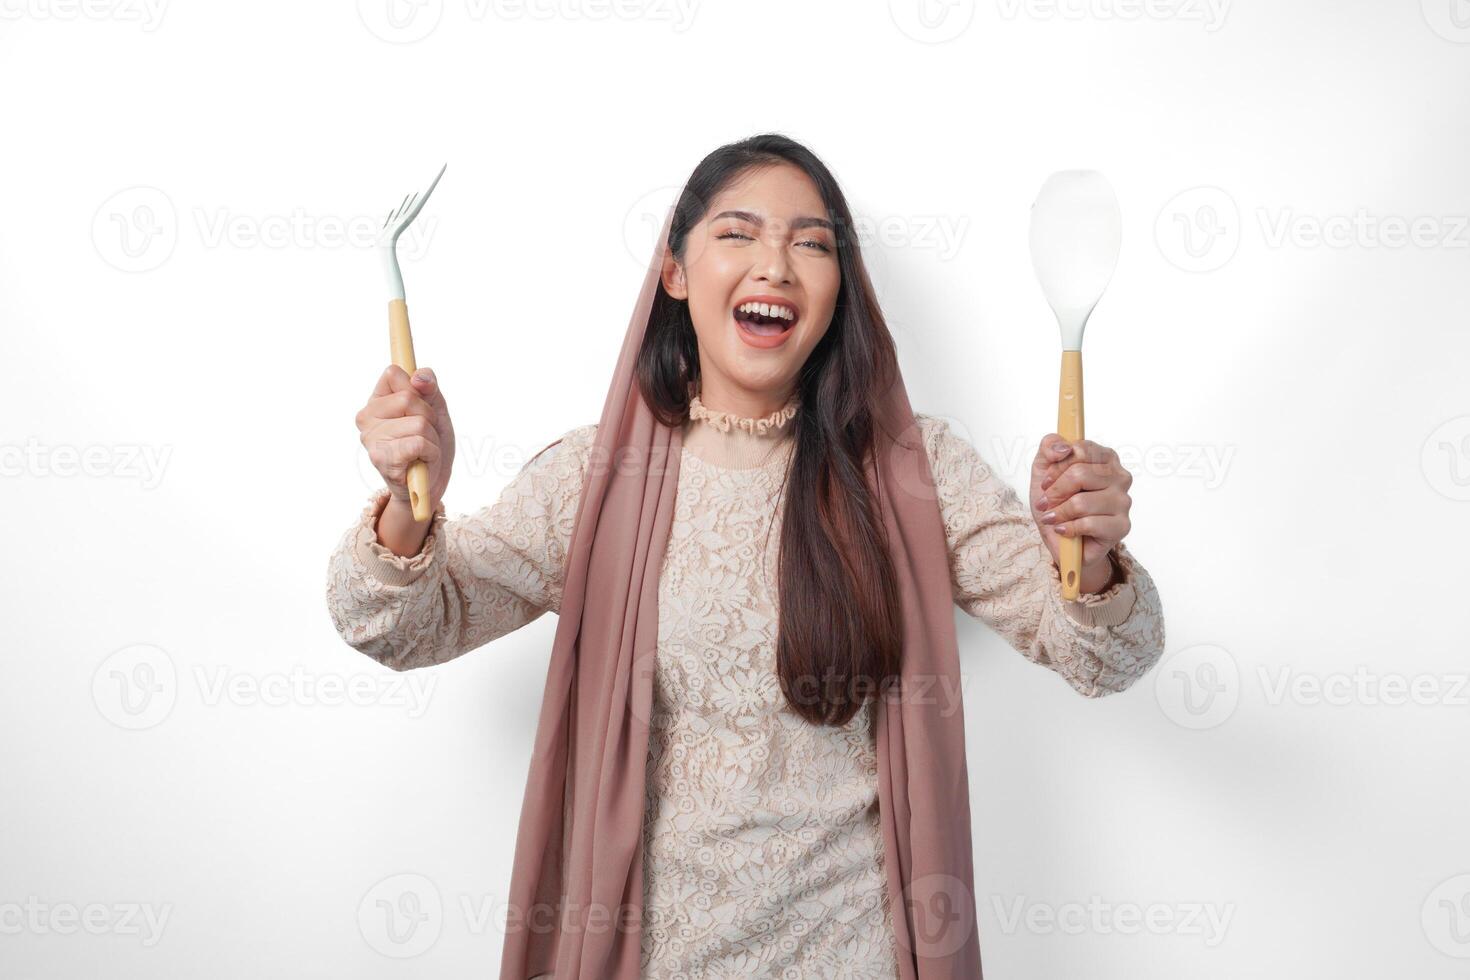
<point x="772" y="265"/>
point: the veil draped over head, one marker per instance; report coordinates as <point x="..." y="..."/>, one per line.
<point x="576" y="891"/>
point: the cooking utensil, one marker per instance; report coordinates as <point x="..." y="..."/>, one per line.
<point x="400" y="339"/>
<point x="1076" y="230"/>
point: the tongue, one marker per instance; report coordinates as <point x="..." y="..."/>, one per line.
<point x="766" y="326"/>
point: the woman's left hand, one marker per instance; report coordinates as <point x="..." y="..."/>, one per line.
<point x="1081" y="488"/>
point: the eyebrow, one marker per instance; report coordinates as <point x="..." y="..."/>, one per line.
<point x="796" y="225"/>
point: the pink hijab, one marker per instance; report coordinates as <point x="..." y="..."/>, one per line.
<point x="576" y="890"/>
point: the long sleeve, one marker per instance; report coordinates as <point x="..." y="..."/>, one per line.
<point x="1004" y="576"/>
<point x="476" y="578"/>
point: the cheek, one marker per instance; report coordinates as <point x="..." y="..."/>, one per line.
<point x="710" y="291"/>
<point x="711" y="323"/>
<point x="824" y="288"/>
<point x="826" y="302"/>
<point x="810" y="342"/>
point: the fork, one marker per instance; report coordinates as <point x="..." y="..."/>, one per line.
<point x="400" y="339"/>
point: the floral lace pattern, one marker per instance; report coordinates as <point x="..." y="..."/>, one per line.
<point x="763" y="851"/>
<point x="1004" y="576"/>
<point x="763" y="855"/>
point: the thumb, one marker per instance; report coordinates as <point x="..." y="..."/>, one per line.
<point x="1053" y="449"/>
<point x="427" y="385"/>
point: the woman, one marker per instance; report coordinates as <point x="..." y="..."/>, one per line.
<point x="764" y="848"/>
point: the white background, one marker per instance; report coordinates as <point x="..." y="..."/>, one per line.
<point x="188" y="308"/>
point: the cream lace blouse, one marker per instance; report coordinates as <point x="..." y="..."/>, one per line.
<point x="763" y="855"/>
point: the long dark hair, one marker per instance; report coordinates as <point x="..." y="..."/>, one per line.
<point x="841" y="621"/>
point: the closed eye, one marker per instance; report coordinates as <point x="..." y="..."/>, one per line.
<point x="809" y="241"/>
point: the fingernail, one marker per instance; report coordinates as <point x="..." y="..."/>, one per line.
<point x="1063" y="449"/>
<point x="424" y="375"/>
<point x="1043" y="503"/>
<point x="1049" y="517"/>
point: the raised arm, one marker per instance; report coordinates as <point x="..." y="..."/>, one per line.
<point x="476" y="578"/>
<point x="1004" y="576"/>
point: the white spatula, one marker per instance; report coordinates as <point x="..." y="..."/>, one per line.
<point x="1076" y="229"/>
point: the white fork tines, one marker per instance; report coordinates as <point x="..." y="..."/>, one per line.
<point x="398" y="219"/>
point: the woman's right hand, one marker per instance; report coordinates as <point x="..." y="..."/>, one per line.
<point x="406" y="420"/>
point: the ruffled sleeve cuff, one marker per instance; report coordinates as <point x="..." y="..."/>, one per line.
<point x="1112" y="606"/>
<point x="382" y="564"/>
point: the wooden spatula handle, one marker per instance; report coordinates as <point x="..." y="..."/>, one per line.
<point x="1069" y="427"/>
<point x="401" y="342"/>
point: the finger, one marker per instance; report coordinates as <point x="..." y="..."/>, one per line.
<point x="1078" y="476"/>
<point x="393" y="378"/>
<point x="1108" y="529"/>
<point x="1083" y="451"/>
<point x="384" y="386"/>
<point x="1088" y="502"/>
<point x="1052" y="449"/>
<point x="426" y="383"/>
<point x="394" y="455"/>
<point x="1092" y="452"/>
<point x="400" y="404"/>
<point x="400" y="428"/>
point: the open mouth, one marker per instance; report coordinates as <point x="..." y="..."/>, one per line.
<point x="766" y="319"/>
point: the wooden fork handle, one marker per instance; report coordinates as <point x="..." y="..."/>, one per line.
<point x="400" y="340"/>
<point x="1069" y="427"/>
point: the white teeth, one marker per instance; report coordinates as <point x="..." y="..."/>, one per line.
<point x="768" y="309"/>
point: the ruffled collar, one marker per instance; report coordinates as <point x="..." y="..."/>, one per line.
<point x="725" y="421"/>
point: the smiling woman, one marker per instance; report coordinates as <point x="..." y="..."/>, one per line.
<point x="778" y="788"/>
<point x="757" y="277"/>
<point x="770" y="239"/>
